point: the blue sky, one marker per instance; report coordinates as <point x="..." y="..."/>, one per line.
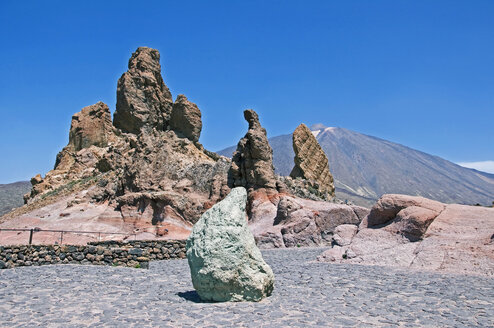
<point x="420" y="73"/>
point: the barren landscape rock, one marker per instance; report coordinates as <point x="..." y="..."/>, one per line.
<point x="152" y="176"/>
<point x="287" y="221"/>
<point x="186" y="118"/>
<point x="343" y="234"/>
<point x="143" y="99"/>
<point x="36" y="179"/>
<point x="225" y="263"/>
<point x="92" y="126"/>
<point x="311" y="162"/>
<point x="252" y="163"/>
<point x="414" y="232"/>
<point x="388" y="206"/>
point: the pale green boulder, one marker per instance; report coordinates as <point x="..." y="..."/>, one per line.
<point x="225" y="263"/>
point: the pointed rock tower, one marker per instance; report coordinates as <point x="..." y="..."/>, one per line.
<point x="311" y="162"/>
<point x="252" y="162"/>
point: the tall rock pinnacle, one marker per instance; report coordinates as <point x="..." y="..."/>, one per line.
<point x="311" y="162"/>
<point x="143" y="99"/>
<point x="252" y="162"/>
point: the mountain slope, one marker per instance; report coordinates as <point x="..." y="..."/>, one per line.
<point x="11" y="195"/>
<point x="365" y="167"/>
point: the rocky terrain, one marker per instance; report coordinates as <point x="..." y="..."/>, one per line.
<point x="419" y="233"/>
<point x="365" y="167"/>
<point x="144" y="174"/>
<point x="11" y="195"/>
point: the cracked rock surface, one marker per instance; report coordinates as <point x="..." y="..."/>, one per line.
<point x="415" y="232"/>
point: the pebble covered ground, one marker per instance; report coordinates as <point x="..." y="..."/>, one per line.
<point x="306" y="294"/>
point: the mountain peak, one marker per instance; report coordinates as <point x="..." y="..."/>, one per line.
<point x="318" y="126"/>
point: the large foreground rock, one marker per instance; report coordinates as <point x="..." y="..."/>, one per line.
<point x="225" y="263"/>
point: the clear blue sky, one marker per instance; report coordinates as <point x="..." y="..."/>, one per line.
<point x="420" y="73"/>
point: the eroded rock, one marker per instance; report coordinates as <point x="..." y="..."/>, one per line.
<point x="311" y="162"/>
<point x="224" y="261"/>
<point x="186" y="118"/>
<point x="143" y="99"/>
<point x="252" y="162"/>
<point x="418" y="233"/>
<point x="92" y="126"/>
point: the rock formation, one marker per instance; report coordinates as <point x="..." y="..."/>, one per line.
<point x="252" y="162"/>
<point x="143" y="99"/>
<point x="147" y="174"/>
<point x="186" y="119"/>
<point x="279" y="216"/>
<point x="311" y="162"/>
<point x="418" y="233"/>
<point x="289" y="221"/>
<point x="92" y="126"/>
<point x="225" y="263"/>
<point x="148" y="167"/>
<point x="91" y="133"/>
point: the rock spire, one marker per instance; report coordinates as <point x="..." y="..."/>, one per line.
<point x="311" y="162"/>
<point x="143" y="99"/>
<point x="252" y="162"/>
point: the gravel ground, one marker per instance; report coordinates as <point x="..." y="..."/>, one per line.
<point x="306" y="294"/>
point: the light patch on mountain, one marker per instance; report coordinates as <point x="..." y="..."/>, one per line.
<point x="485" y="166"/>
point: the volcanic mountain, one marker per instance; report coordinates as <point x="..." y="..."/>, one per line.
<point x="366" y="167"/>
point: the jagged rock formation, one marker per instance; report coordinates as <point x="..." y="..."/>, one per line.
<point x="225" y="263"/>
<point x="365" y="167"/>
<point x="278" y="214"/>
<point x="143" y="99"/>
<point x="90" y="136"/>
<point x="186" y="118"/>
<point x="288" y="221"/>
<point x="252" y="163"/>
<point x="148" y="174"/>
<point x="419" y="233"/>
<point x="92" y="126"/>
<point x="148" y="165"/>
<point x="311" y="162"/>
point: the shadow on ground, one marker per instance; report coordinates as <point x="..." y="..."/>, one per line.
<point x="191" y="295"/>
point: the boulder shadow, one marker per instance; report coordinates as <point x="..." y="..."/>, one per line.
<point x="191" y="296"/>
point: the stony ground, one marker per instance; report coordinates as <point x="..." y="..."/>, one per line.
<point x="307" y="294"/>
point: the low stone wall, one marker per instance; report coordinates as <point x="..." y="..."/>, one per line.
<point x="135" y="254"/>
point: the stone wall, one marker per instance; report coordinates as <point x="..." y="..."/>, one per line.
<point x="136" y="253"/>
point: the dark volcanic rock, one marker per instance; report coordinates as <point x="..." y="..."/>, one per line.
<point x="143" y="99"/>
<point x="186" y="118"/>
<point x="252" y="164"/>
